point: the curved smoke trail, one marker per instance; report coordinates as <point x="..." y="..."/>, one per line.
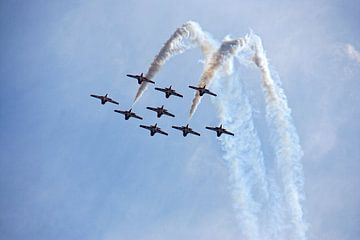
<point x="175" y="45"/>
<point x="216" y="62"/>
<point x="286" y="141"/>
<point x="263" y="204"/>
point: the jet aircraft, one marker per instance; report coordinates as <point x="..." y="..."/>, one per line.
<point x="104" y="99"/>
<point x="168" y="92"/>
<point x="140" y="78"/>
<point x="160" y="111"/>
<point x="203" y="90"/>
<point x="220" y="130"/>
<point x="128" y="114"/>
<point x="154" y="129"/>
<point x="186" y="130"/>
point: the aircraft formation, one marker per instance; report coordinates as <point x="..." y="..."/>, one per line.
<point x="160" y="111"/>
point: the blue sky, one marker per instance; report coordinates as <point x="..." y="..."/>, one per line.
<point x="71" y="168"/>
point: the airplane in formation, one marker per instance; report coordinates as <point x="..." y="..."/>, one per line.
<point x="203" y="90"/>
<point x="169" y="91"/>
<point x="220" y="130"/>
<point x="128" y="114"/>
<point x="186" y="130"/>
<point x="140" y="78"/>
<point x="160" y="111"/>
<point x="104" y="99"/>
<point x="154" y="129"/>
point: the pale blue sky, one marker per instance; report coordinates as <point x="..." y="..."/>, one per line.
<point x="71" y="168"/>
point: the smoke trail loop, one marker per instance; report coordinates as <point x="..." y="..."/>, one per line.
<point x="219" y="60"/>
<point x="175" y="45"/>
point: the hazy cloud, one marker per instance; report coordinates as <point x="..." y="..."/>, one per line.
<point x="352" y="53"/>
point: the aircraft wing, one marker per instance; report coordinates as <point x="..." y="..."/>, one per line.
<point x="162" y="132"/>
<point x="196" y="88"/>
<point x="148" y="80"/>
<point x="114" y="102"/>
<point x="195" y="133"/>
<point x="96" y="96"/>
<point x="132" y="76"/>
<point x="151" y="108"/>
<point x="138" y="117"/>
<point x="229" y="133"/>
<point x="211" y="93"/>
<point x="160" y="89"/>
<point x="119" y="111"/>
<point x="211" y="128"/>
<point x="169" y="114"/>
<point x="178" y="128"/>
<point x="146" y="127"/>
<point x="177" y="94"/>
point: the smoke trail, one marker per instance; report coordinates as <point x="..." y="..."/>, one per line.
<point x="218" y="59"/>
<point x="244" y="158"/>
<point x="175" y="45"/>
<point x="264" y="200"/>
<point x="286" y="142"/>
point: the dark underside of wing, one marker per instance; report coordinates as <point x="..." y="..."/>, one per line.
<point x="112" y="101"/>
<point x="177" y="94"/>
<point x="95" y="96"/>
<point x="211" y="93"/>
<point x="169" y="114"/>
<point x="196" y="88"/>
<point x="160" y="89"/>
<point x="151" y="108"/>
<point x="136" y="116"/>
<point x="178" y="128"/>
<point x="195" y="133"/>
<point x="148" y="80"/>
<point x="162" y="132"/>
<point x="146" y="127"/>
<point x="119" y="111"/>
<point x="229" y="133"/>
<point x="132" y="76"/>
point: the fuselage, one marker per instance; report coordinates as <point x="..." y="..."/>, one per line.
<point x="160" y="113"/>
<point x="185" y="132"/>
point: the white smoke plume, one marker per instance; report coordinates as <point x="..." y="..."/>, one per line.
<point x="256" y="196"/>
<point x="267" y="199"/>
<point x="176" y="44"/>
<point x="244" y="158"/>
<point x="216" y="62"/>
<point x="287" y="149"/>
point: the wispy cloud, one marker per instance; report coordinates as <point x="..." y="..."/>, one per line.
<point x="352" y="53"/>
